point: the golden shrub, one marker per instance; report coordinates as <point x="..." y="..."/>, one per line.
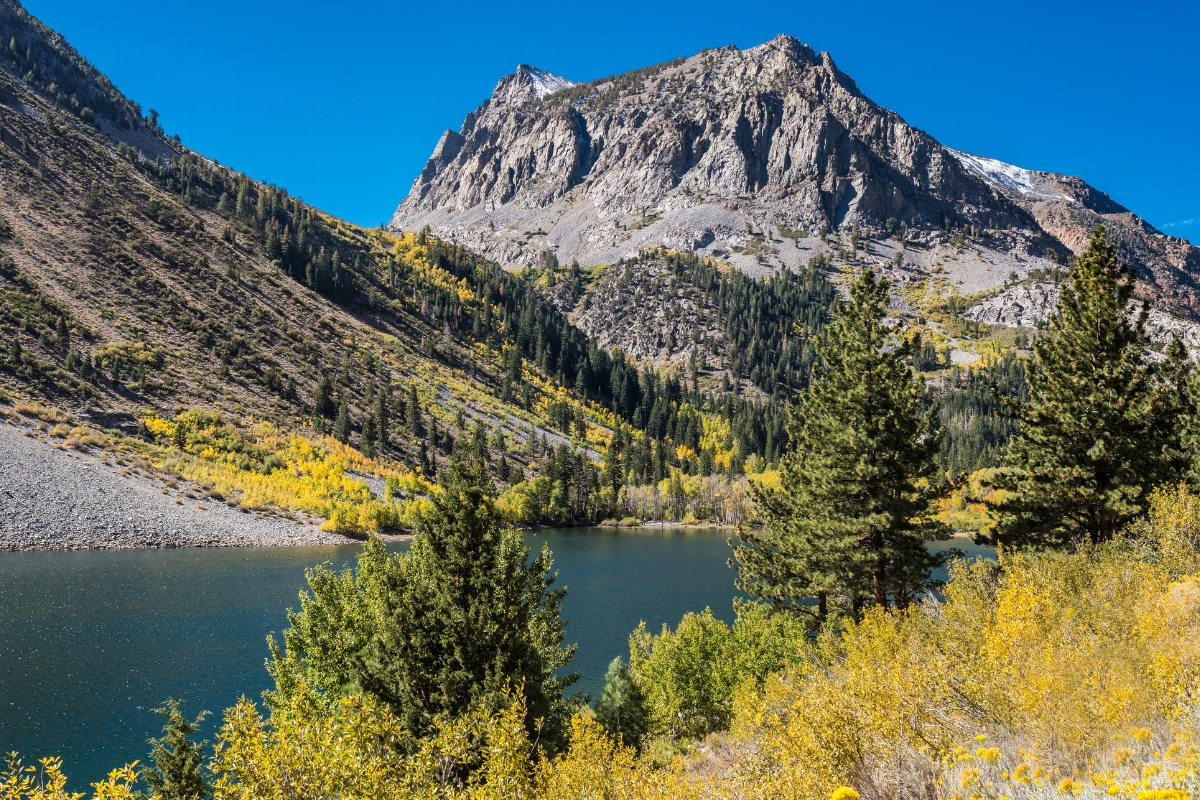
<point x="46" y="781"/>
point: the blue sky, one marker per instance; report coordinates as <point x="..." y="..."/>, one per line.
<point x="342" y="102"/>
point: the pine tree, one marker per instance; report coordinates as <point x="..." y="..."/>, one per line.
<point x="323" y="398"/>
<point x="415" y="423"/>
<point x="1176" y="394"/>
<point x="63" y="335"/>
<point x="1096" y="432"/>
<point x="379" y="414"/>
<point x="341" y="426"/>
<point x="848" y="523"/>
<point x="621" y="708"/>
<point x="177" y="759"/>
<point x="244" y="201"/>
<point x="442" y="628"/>
<point x="369" y="436"/>
<point x="425" y="462"/>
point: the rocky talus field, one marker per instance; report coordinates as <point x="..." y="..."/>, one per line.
<point x="56" y="498"/>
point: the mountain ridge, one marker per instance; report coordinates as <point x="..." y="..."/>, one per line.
<point x="703" y="153"/>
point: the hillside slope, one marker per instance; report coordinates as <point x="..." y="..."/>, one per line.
<point x="139" y="279"/>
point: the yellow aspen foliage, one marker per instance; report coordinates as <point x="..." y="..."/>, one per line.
<point x="46" y="781"/>
<point x="265" y="469"/>
<point x="807" y="741"/>
<point x="302" y="751"/>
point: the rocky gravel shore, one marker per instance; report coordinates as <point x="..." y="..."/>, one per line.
<point x="55" y="498"/>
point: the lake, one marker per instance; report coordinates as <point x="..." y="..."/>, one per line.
<point x="91" y="641"/>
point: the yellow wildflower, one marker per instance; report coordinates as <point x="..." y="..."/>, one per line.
<point x="1164" y="794"/>
<point x="1068" y="786"/>
<point x="846" y="793"/>
<point x="988" y="754"/>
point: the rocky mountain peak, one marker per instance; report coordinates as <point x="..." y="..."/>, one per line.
<point x="527" y="83"/>
<point x="761" y="158"/>
<point x="783" y="53"/>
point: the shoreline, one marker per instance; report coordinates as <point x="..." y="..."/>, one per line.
<point x="54" y="498"/>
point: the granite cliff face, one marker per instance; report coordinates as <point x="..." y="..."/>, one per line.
<point x="762" y="158"/>
<point x="690" y="155"/>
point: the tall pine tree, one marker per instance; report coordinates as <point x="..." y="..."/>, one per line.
<point x="1099" y="430"/>
<point x="442" y="628"/>
<point x="848" y="524"/>
<point x="341" y="426"/>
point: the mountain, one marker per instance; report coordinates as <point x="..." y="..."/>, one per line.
<point x="187" y="321"/>
<point x="759" y="158"/>
<point x="184" y="321"/>
<point x="148" y="292"/>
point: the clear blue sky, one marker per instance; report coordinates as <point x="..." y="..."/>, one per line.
<point x="342" y="102"/>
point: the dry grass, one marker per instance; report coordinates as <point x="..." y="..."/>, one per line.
<point x="43" y="412"/>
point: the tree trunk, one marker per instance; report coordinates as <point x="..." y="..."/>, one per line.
<point x="879" y="576"/>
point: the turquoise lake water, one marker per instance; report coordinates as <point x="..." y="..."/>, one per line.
<point x="90" y="642"/>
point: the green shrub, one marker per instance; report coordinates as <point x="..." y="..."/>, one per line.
<point x="688" y="676"/>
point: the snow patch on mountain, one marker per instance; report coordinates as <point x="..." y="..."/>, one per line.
<point x="1006" y="175"/>
<point x="544" y="83"/>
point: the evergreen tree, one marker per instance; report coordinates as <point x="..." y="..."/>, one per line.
<point x="63" y="335"/>
<point x="369" y="436"/>
<point x="379" y="415"/>
<point x="849" y="521"/>
<point x="341" y="426"/>
<point x="621" y="708"/>
<point x="1096" y="431"/>
<point x="1176" y="394"/>
<point x="425" y="462"/>
<point x="415" y="423"/>
<point x="442" y="628"/>
<point x="244" y="201"/>
<point x="323" y="398"/>
<point x="177" y="759"/>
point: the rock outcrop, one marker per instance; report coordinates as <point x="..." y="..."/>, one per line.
<point x="1069" y="209"/>
<point x="1030" y="305"/>
<point x="1025" y="306"/>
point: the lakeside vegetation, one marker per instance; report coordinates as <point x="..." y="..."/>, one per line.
<point x="1069" y="667"/>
